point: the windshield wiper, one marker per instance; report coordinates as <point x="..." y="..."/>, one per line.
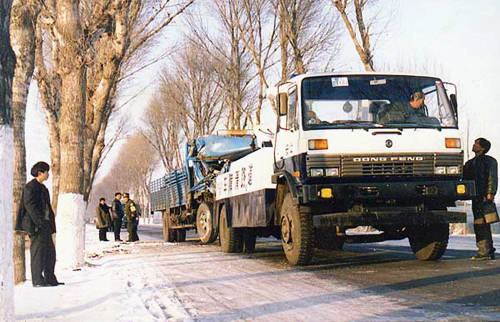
<point x="412" y="126"/>
<point x="350" y="122"/>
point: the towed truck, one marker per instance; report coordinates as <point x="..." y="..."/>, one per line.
<point x="348" y="150"/>
<point x="185" y="195"/>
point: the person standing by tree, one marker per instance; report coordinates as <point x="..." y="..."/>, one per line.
<point x="36" y="217"/>
<point x="102" y="219"/>
<point x="483" y="170"/>
<point x="117" y="213"/>
<point x="131" y="213"/>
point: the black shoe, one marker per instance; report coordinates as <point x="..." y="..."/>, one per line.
<point x="55" y="284"/>
<point x="105" y="240"/>
<point x="483" y="257"/>
<point x="118" y="240"/>
<point x="43" y="284"/>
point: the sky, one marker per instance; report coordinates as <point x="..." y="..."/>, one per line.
<point x="456" y="40"/>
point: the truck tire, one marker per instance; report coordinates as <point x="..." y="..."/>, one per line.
<point x="204" y="223"/>
<point x="230" y="238"/>
<point x="326" y="238"/>
<point x="168" y="234"/>
<point x="428" y="242"/>
<point x="297" y="233"/>
<point x="180" y="235"/>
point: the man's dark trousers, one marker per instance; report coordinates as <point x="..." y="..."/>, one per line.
<point x="117" y="225"/>
<point x="43" y="258"/>
<point x="132" y="231"/>
<point x="484" y="240"/>
<point x="102" y="234"/>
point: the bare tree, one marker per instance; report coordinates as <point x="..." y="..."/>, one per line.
<point x="190" y="91"/>
<point x="22" y="31"/>
<point x="102" y="38"/>
<point x="361" y="39"/>
<point x="232" y="62"/>
<point x="307" y="34"/>
<point x="259" y="16"/>
<point x="7" y="63"/>
<point x="162" y="131"/>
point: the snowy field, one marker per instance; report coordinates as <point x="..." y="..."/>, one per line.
<point x="156" y="281"/>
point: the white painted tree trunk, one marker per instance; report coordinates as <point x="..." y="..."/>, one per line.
<point x="70" y="226"/>
<point x="6" y="229"/>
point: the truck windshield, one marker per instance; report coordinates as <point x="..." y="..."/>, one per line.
<point x="375" y="101"/>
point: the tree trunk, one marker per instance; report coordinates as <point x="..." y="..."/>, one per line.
<point x="71" y="206"/>
<point x="6" y="236"/>
<point x="23" y="17"/>
<point x="7" y="63"/>
<point x="283" y="45"/>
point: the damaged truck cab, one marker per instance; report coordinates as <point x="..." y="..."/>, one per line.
<point x="349" y="150"/>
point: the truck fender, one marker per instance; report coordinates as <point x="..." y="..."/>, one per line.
<point x="285" y="183"/>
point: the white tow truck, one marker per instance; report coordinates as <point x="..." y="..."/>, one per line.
<point x="349" y="150"/>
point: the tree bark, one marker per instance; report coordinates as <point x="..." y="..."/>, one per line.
<point x="7" y="63"/>
<point x="22" y="31"/>
<point x="71" y="207"/>
<point x="6" y="228"/>
<point x="363" y="49"/>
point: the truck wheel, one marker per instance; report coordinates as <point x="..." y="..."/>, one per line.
<point x="326" y="238"/>
<point x="428" y="242"/>
<point x="230" y="238"/>
<point x="297" y="233"/>
<point x="180" y="235"/>
<point x="204" y="224"/>
<point x="168" y="234"/>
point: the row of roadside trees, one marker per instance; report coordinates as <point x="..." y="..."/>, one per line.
<point x="80" y="53"/>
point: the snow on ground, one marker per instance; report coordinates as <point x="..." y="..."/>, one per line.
<point x="107" y="288"/>
<point x="156" y="281"/>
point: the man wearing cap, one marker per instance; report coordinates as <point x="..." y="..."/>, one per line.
<point x="131" y="211"/>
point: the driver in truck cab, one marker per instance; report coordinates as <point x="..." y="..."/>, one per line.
<point x="417" y="105"/>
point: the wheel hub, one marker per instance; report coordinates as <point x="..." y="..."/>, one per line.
<point x="286" y="229"/>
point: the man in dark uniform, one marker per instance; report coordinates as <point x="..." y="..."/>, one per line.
<point x="117" y="213"/>
<point x="483" y="170"/>
<point x="131" y="213"/>
<point x="36" y="217"/>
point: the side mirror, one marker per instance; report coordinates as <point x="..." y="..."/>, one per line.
<point x="283" y="104"/>
<point x="454" y="104"/>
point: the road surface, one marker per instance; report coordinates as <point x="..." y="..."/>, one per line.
<point x="363" y="282"/>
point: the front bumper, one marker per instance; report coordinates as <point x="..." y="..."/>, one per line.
<point x="390" y="217"/>
<point x="403" y="191"/>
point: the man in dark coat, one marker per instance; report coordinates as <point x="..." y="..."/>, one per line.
<point x="36" y="217"/>
<point x="483" y="170"/>
<point x="102" y="219"/>
<point x="117" y="214"/>
<point x="132" y="215"/>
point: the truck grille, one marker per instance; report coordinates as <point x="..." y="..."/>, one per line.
<point x="387" y="168"/>
<point x="384" y="165"/>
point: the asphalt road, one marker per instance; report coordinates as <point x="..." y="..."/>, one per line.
<point x="453" y="286"/>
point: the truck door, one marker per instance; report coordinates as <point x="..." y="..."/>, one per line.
<point x="287" y="135"/>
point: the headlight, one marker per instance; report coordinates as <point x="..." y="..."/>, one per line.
<point x="332" y="172"/>
<point x="453" y="170"/>
<point x="440" y="170"/>
<point x="317" y="172"/>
